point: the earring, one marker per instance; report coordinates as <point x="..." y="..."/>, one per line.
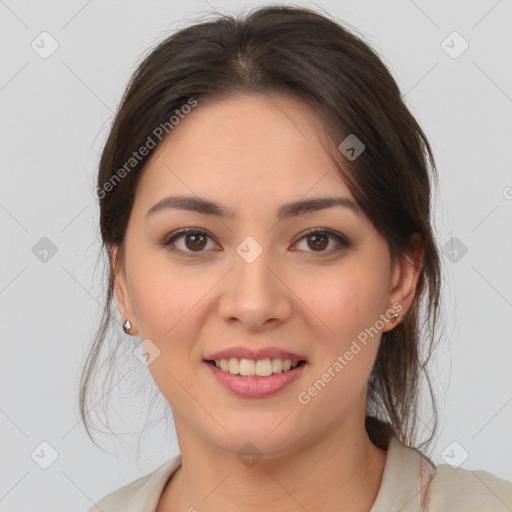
<point x="394" y="315"/>
<point x="127" y="326"/>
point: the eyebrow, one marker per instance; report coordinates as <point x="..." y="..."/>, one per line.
<point x="288" y="210"/>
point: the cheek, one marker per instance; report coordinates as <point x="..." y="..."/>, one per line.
<point x="345" y="303"/>
<point x="169" y="303"/>
<point x="164" y="296"/>
<point x="348" y="304"/>
<point x="345" y="352"/>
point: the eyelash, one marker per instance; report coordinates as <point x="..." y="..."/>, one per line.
<point x="182" y="233"/>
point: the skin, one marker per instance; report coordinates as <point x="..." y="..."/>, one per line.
<point x="253" y="153"/>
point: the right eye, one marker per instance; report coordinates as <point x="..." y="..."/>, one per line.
<point x="194" y="242"/>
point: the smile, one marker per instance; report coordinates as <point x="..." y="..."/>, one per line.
<point x="253" y="385"/>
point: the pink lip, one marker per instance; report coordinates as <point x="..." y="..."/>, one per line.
<point x="255" y="354"/>
<point x="256" y="387"/>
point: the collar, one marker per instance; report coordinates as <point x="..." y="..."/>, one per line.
<point x="146" y="496"/>
<point x="400" y="488"/>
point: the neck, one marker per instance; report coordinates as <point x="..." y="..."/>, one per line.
<point x="341" y="471"/>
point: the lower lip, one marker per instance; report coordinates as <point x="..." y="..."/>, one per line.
<point x="256" y="387"/>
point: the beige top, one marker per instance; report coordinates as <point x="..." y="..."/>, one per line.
<point x="407" y="477"/>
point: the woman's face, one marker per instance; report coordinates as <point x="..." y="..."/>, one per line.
<point x="254" y="279"/>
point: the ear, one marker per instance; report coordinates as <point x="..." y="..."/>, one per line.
<point x="122" y="296"/>
<point x="404" y="280"/>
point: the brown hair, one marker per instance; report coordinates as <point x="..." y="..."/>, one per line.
<point x="299" y="52"/>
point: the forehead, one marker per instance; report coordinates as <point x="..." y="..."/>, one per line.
<point x="244" y="148"/>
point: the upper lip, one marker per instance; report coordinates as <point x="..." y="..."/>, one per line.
<point x="255" y="354"/>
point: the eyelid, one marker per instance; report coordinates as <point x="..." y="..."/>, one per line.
<point x="185" y="231"/>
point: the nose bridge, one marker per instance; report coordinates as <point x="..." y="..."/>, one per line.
<point x="252" y="262"/>
<point x="254" y="293"/>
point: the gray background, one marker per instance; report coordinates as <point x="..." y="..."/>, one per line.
<point x="55" y="114"/>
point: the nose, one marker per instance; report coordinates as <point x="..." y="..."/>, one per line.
<point x="255" y="294"/>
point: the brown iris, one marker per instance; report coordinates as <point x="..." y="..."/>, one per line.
<point x="318" y="244"/>
<point x="199" y="241"/>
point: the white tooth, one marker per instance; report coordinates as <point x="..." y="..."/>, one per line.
<point x="247" y="367"/>
<point x="277" y="365"/>
<point x="263" y="368"/>
<point x="233" y="366"/>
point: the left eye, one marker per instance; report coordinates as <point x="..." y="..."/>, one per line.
<point x="319" y="240"/>
<point x="196" y="240"/>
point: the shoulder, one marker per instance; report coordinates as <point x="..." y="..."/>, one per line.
<point x="139" y="494"/>
<point x="463" y="490"/>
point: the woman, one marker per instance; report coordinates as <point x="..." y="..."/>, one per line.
<point x="265" y="205"/>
